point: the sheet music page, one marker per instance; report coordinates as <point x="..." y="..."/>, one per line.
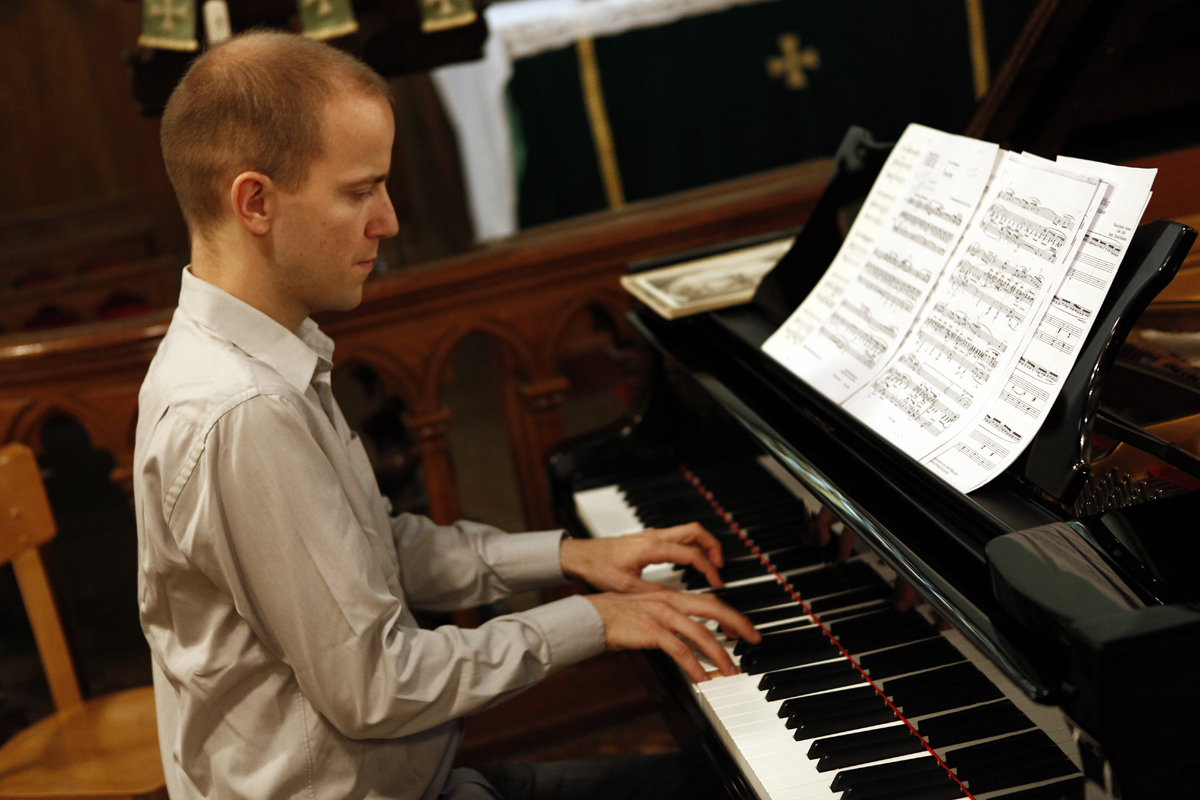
<point x="1012" y="418"/>
<point x="855" y="248"/>
<point x="846" y="329"/>
<point x="982" y="312"/>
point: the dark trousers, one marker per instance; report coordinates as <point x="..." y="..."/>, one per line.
<point x="657" y="777"/>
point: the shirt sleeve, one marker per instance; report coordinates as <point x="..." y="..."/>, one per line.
<point x="448" y="567"/>
<point x="270" y="522"/>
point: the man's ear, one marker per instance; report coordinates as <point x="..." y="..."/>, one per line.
<point x="251" y="195"/>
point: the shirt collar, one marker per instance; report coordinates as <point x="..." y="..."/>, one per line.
<point x="295" y="356"/>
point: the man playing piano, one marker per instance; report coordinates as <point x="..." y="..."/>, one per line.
<point x="275" y="585"/>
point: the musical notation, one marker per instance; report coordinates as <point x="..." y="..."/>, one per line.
<point x="891" y="331"/>
<point x="934" y="209"/>
<point x="1094" y="281"/>
<point x="1052" y="331"/>
<point x="1018" y="272"/>
<point x="1033" y="206"/>
<point x="976" y="329"/>
<point x="941" y="234"/>
<point x="917" y="401"/>
<point x="947" y="343"/>
<point x="1018" y="392"/>
<point x="1040" y="373"/>
<point x="920" y="240"/>
<point x="976" y="282"/>
<point x="904" y="265"/>
<point x="950" y="389"/>
<point x="1040" y="240"/>
<point x="1074" y="309"/>
<point x="896" y="300"/>
<point x="973" y="454"/>
<point x="1000" y="427"/>
<point x="853" y="340"/>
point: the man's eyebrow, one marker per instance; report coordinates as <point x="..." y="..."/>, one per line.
<point x="370" y="180"/>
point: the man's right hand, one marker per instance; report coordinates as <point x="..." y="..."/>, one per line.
<point x="659" y="619"/>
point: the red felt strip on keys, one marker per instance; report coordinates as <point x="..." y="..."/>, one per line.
<point x="733" y="526"/>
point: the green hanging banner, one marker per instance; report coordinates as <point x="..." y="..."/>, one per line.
<point x="169" y="25"/>
<point x="326" y="19"/>
<point x="439" y="15"/>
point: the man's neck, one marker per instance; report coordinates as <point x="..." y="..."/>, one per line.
<point x="247" y="276"/>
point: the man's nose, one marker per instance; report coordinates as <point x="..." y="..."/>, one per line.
<point x="383" y="223"/>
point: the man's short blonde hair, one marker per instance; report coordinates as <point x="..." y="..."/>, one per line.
<point x="253" y="104"/>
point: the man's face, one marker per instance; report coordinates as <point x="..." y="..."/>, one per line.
<point x="327" y="233"/>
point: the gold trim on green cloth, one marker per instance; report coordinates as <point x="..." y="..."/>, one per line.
<point x="593" y="100"/>
<point x="792" y="62"/>
<point x="440" y="15"/>
<point x="978" y="38"/>
<point x="169" y="25"/>
<point x="326" y="19"/>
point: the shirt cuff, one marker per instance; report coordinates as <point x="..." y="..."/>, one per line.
<point x="572" y="627"/>
<point x="527" y="560"/>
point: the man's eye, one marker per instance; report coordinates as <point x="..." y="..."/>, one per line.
<point x="364" y="195"/>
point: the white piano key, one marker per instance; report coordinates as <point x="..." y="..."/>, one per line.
<point x="773" y="762"/>
<point x="605" y="512"/>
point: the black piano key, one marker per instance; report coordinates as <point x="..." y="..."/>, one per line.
<point x="1016" y="773"/>
<point x="898" y="770"/>
<point x="845" y="722"/>
<point x="802" y="707"/>
<point x="969" y="724"/>
<point x="845" y="613"/>
<point x="925" y="654"/>
<point x="1070" y="789"/>
<point x="838" y="578"/>
<point x="754" y="596"/>
<point x="867" y="746"/>
<point x="785" y="639"/>
<point x="941" y="676"/>
<point x="933" y="788"/>
<point x="756" y="663"/>
<point x="766" y="615"/>
<point x="862" y="594"/>
<point x="741" y="569"/>
<point x="882" y="619"/>
<point x="836" y="744"/>
<point x="1000" y="750"/>
<point x="962" y="696"/>
<point x="877" y="640"/>
<point x="796" y="558"/>
<point x="815" y="678"/>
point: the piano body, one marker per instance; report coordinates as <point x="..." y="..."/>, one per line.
<point x="1054" y="652"/>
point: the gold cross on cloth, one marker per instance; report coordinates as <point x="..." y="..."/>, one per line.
<point x="168" y="11"/>
<point x="791" y="64"/>
<point x="324" y="7"/>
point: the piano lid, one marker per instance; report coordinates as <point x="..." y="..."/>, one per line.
<point x="1109" y="80"/>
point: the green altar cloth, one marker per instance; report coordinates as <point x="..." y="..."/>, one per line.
<point x="698" y="101"/>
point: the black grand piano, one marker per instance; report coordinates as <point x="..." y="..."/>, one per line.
<point x="1055" y="648"/>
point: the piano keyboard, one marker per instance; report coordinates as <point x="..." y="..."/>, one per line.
<point x="845" y="698"/>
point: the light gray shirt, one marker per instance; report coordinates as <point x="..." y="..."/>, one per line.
<point x="275" y="586"/>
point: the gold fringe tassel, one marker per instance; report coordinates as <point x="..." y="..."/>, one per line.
<point x="593" y="98"/>
<point x="978" y="39"/>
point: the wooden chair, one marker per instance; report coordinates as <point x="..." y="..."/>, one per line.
<point x="101" y="748"/>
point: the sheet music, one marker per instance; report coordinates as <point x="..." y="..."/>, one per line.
<point x="839" y="339"/>
<point x="1011" y="419"/>
<point x="982" y="312"/>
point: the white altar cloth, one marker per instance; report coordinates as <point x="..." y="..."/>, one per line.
<point x="474" y="94"/>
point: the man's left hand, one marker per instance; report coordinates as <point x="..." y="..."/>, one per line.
<point x="615" y="564"/>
